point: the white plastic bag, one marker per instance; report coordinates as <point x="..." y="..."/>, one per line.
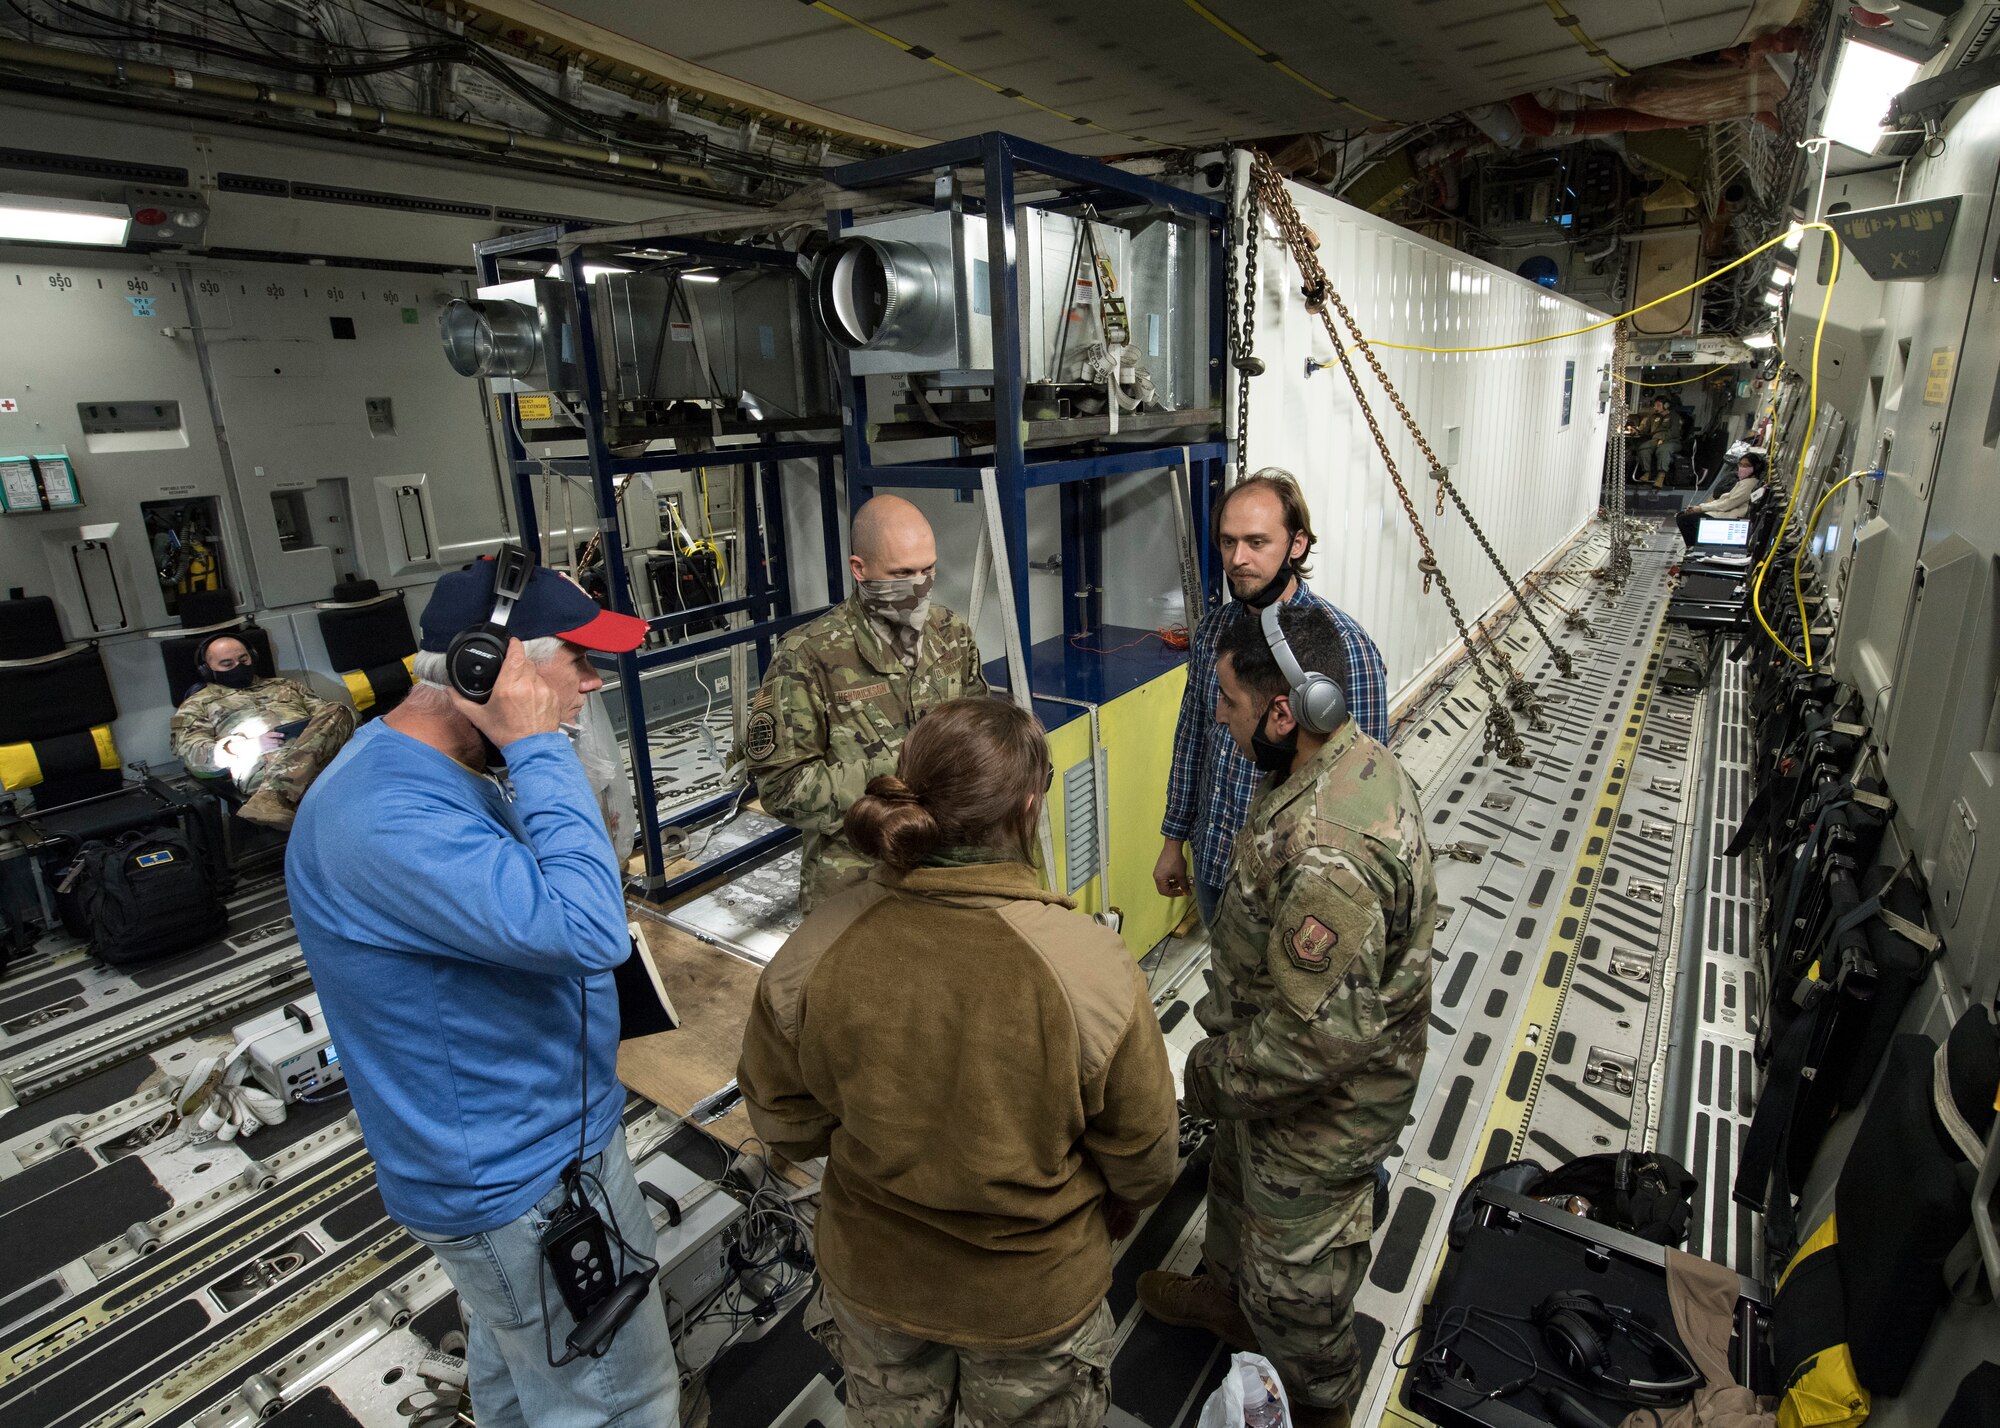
<point x="1250" y="1379"/>
<point x="596" y="745"/>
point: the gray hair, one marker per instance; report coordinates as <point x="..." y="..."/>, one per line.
<point x="431" y="685"/>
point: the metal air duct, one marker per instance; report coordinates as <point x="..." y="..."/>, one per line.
<point x="491" y="338"/>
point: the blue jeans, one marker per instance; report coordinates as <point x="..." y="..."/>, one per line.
<point x="1207" y="898"/>
<point x="503" y="1282"/>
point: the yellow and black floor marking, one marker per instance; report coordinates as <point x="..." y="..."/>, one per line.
<point x="1545" y="931"/>
<point x="1506" y="1130"/>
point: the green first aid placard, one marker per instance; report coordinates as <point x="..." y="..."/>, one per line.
<point x="19" y="489"/>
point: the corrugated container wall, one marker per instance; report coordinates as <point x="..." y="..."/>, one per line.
<point x="1522" y="431"/>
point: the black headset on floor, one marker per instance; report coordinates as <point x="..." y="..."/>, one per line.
<point x="1581" y="1327"/>
<point x="472" y="661"/>
<point x="1319" y="704"/>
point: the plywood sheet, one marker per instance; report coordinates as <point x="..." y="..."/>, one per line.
<point x="711" y="990"/>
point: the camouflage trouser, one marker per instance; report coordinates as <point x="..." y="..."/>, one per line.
<point x="1294" y="1282"/>
<point x="896" y="1381"/>
<point x="289" y="769"/>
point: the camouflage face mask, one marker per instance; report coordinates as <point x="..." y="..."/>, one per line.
<point x="902" y="605"/>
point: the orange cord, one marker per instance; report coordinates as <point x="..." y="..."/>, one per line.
<point x="1174" y="637"/>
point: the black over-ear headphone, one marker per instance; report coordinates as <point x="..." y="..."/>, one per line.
<point x="1580" y="1328"/>
<point x="1319" y="704"/>
<point x="201" y="651"/>
<point x="473" y="659"/>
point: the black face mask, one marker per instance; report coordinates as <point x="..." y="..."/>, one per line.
<point x="1273" y="589"/>
<point x="1268" y="754"/>
<point x="241" y="677"/>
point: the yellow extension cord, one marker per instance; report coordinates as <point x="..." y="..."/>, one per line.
<point x="1805" y="443"/>
<point x="1678" y="381"/>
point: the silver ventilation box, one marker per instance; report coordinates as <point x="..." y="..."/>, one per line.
<point x="739" y="340"/>
<point x="911" y="295"/>
<point x="908" y="294"/>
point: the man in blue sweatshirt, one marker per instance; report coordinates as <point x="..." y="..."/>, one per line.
<point x="461" y="913"/>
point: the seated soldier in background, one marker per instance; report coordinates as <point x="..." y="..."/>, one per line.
<point x="271" y="736"/>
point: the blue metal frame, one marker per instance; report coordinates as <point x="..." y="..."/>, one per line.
<point x="766" y="569"/>
<point x="999" y="158"/>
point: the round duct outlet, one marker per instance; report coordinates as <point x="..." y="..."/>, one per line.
<point x="872" y="295"/>
<point x="490" y="338"/>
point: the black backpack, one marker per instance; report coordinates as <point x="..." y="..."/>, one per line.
<point x="146" y="895"/>
<point x="1640" y="1192"/>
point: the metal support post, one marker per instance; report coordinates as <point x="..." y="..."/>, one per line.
<point x="829" y="519"/>
<point x="756" y="576"/>
<point x="1017" y="651"/>
<point x="776" y="550"/>
<point x="617" y="580"/>
<point x="1010" y="457"/>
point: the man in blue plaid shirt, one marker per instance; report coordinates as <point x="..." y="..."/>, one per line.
<point x="1264" y="532"/>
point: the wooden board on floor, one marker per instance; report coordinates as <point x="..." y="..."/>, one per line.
<point x="711" y="990"/>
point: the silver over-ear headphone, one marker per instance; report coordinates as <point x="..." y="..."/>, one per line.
<point x="1319" y="704"/>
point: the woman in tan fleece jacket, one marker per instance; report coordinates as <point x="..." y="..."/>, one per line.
<point x="982" y="1069"/>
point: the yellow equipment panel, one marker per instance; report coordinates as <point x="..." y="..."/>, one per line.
<point x="1138" y="733"/>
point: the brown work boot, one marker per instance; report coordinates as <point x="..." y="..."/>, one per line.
<point x="266" y="808"/>
<point x="1311" y="1415"/>
<point x="1196" y="1301"/>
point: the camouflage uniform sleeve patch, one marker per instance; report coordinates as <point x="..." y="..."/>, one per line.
<point x="760" y="735"/>
<point x="1321" y="930"/>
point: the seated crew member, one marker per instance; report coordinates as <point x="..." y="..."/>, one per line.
<point x="1657" y="438"/>
<point x="841" y="693"/>
<point x="1264" y="533"/>
<point x="1735" y="504"/>
<point x="982" y="1069"/>
<point x="461" y="913"/>
<point x="271" y="736"/>
<point x="1316" y="1013"/>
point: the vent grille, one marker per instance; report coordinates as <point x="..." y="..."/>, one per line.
<point x="1080" y="824"/>
<point x="371" y="198"/>
<point x="250" y="183"/>
<point x="406" y="202"/>
<point x="81" y="166"/>
<point x="545" y="220"/>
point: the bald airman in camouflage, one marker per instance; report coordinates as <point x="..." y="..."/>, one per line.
<point x="1317" y="1009"/>
<point x="842" y="692"/>
<point x="272" y="736"/>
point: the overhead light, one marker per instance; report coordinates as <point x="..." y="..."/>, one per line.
<point x="591" y="271"/>
<point x="1782" y="277"/>
<point x="1758" y="341"/>
<point x="701" y="277"/>
<point x="1773" y="296"/>
<point x="1858" y="104"/>
<point x="25" y="219"/>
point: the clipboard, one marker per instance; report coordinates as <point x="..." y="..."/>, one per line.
<point x="644" y="1008"/>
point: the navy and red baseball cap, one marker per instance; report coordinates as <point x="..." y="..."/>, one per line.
<point x="553" y="604"/>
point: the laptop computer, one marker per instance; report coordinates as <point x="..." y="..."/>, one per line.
<point x="1722" y="535"/>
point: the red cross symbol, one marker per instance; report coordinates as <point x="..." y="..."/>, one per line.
<point x="9" y="405"/>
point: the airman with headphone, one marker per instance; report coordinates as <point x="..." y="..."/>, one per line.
<point x="269" y="735"/>
<point x="1317" y="1013"/>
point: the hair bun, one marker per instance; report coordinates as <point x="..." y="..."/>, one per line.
<point x="891" y="789"/>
